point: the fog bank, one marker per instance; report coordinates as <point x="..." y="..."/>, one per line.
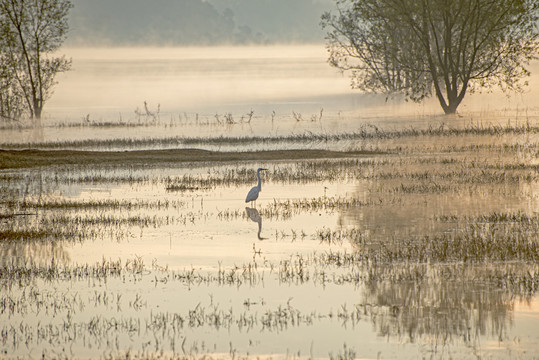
<point x="196" y="22"/>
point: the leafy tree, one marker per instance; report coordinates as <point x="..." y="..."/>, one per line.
<point x="31" y="30"/>
<point x="11" y="101"/>
<point x="446" y="46"/>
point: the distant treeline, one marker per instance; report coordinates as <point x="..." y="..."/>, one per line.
<point x="189" y="22"/>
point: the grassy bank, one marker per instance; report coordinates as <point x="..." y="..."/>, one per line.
<point x="18" y="159"/>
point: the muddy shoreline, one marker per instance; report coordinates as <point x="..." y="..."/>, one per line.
<point x="19" y="159"/>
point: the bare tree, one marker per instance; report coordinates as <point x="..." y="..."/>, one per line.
<point x="31" y="31"/>
<point x="447" y="47"/>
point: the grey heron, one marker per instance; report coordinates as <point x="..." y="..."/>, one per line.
<point x="252" y="195"/>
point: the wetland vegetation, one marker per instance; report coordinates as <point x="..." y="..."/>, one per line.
<point x="377" y="243"/>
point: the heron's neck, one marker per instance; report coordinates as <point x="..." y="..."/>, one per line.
<point x="259" y="181"/>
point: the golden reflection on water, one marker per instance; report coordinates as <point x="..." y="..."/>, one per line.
<point x="27" y="252"/>
<point x="208" y="279"/>
<point x="109" y="261"/>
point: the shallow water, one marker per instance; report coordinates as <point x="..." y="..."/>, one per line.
<point x="210" y="285"/>
<point x="234" y="92"/>
<point x="108" y="261"/>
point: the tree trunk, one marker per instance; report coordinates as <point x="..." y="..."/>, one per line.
<point x="453" y="100"/>
<point x="38" y="106"/>
<point x="453" y="104"/>
<point x="452" y="108"/>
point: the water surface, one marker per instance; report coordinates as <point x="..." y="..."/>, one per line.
<point x="234" y="91"/>
<point x="119" y="261"/>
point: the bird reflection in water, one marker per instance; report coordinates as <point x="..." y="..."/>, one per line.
<point x="254" y="215"/>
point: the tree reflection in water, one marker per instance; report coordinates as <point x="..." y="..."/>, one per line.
<point x="23" y="240"/>
<point x="439" y="308"/>
<point x="29" y="252"/>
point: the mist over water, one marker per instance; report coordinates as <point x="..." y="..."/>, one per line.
<point x="286" y="278"/>
<point x="205" y="80"/>
<point x="279" y="90"/>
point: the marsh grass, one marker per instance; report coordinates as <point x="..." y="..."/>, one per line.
<point x="495" y="237"/>
<point x="415" y="175"/>
<point x="383" y="302"/>
<point x="319" y="268"/>
<point x="24" y="274"/>
<point x="395" y="298"/>
<point x="473" y="245"/>
<point x="412" y="283"/>
<point x="346" y="354"/>
<point x="495" y="217"/>
<point x="110" y="204"/>
<point x="367" y="132"/>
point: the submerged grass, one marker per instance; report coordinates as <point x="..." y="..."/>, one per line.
<point x="96" y="205"/>
<point x="495" y="237"/>
<point x="473" y="245"/>
<point x="318" y="268"/>
<point x="410" y="274"/>
<point x="367" y="132"/>
<point x="12" y="274"/>
<point x="395" y="296"/>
